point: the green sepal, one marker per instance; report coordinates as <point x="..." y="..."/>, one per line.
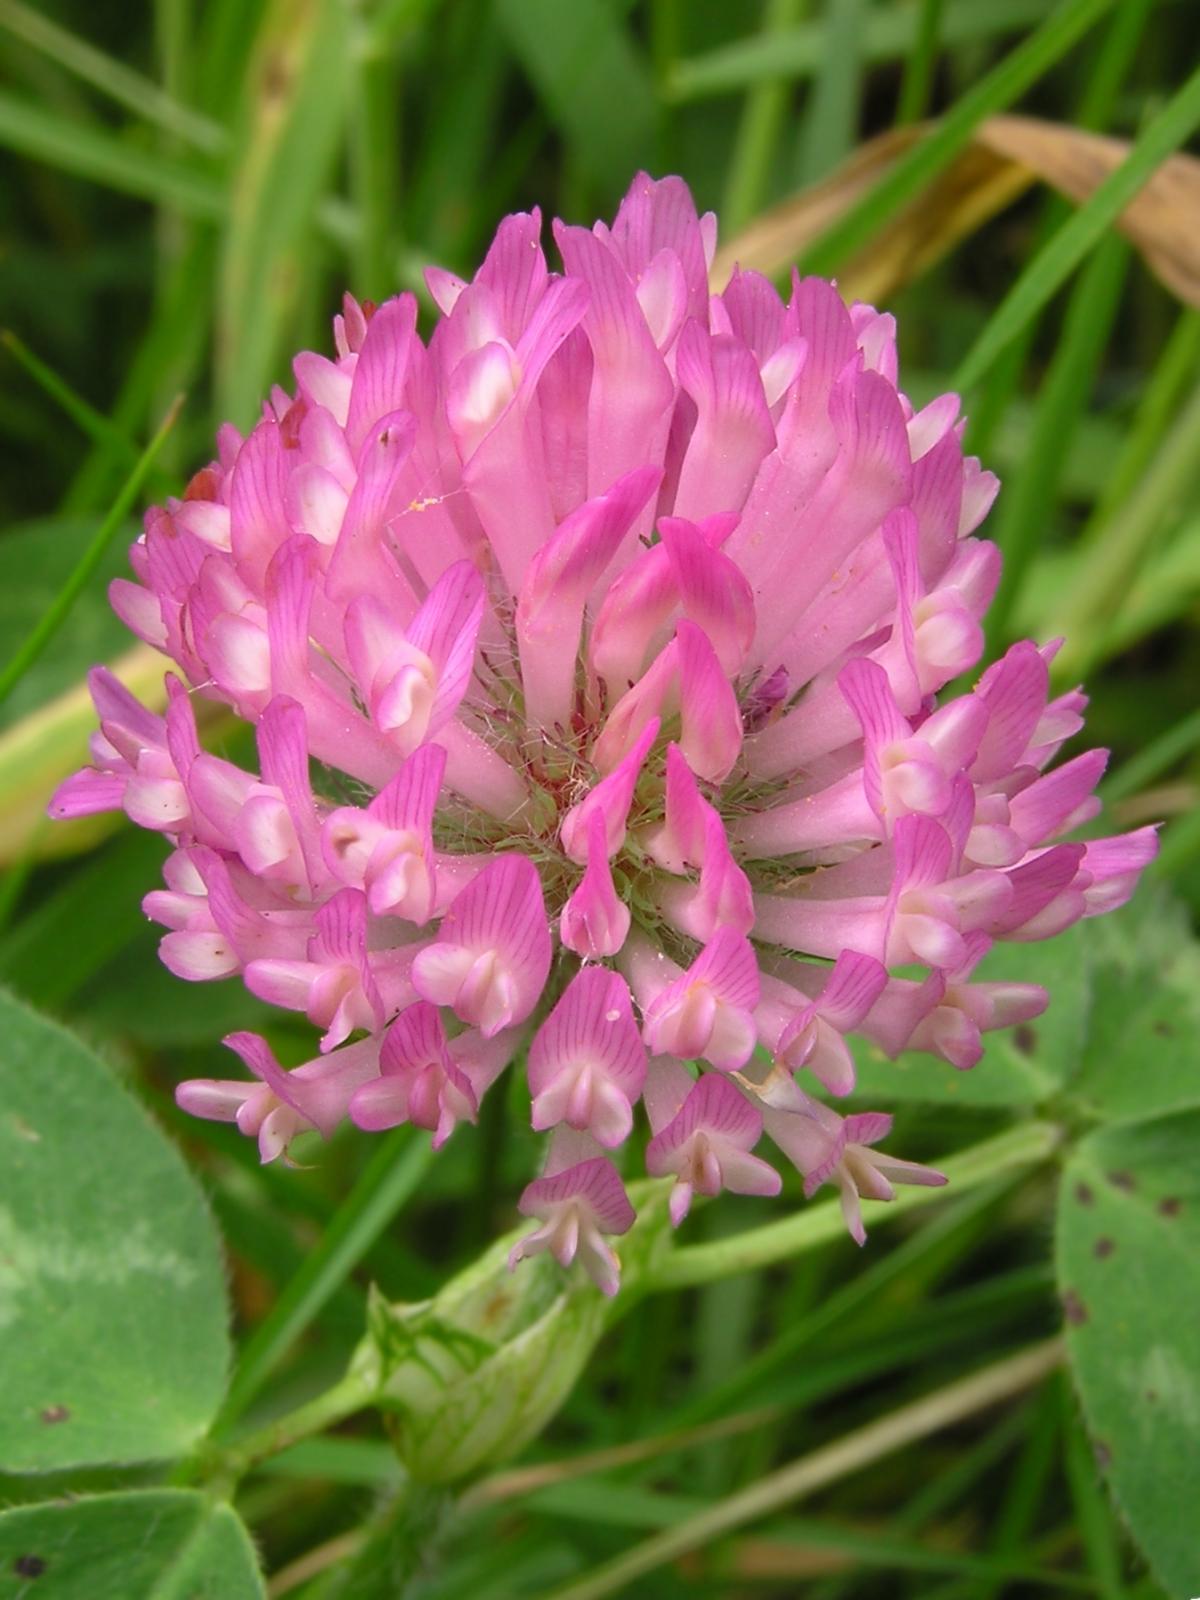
<point x="470" y="1377"/>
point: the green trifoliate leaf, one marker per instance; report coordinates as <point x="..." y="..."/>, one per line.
<point x="113" y="1337"/>
<point x="1128" y="1246"/>
<point x="153" y="1544"/>
<point x="1141" y="1055"/>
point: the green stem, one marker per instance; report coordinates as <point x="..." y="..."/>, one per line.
<point x="1026" y="1145"/>
<point x="221" y="1468"/>
<point x="219" y="1464"/>
<point x="386" y="1183"/>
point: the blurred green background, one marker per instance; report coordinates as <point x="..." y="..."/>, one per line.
<point x="187" y="190"/>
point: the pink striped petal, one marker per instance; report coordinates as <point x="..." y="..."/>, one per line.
<point x="708" y="1011"/>
<point x="587" y="1063"/>
<point x="560" y="577"/>
<point x="678" y="845"/>
<point x="594" y="922"/>
<point x="707" y="1147"/>
<point x="577" y="1207"/>
<point x="733" y="431"/>
<point x="491" y="957"/>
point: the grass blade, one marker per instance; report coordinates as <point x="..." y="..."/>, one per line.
<point x="112" y="78"/>
<point x="56" y="614"/>
<point x="87" y="419"/>
<point x="1116" y="557"/>
<point x="864" y="1289"/>
<point x="1173" y="376"/>
<point x="889" y="33"/>
<point x="583" y="63"/>
<point x="375" y="165"/>
<point x="1180" y="847"/>
<point x="1051" y="267"/>
<point x="1018" y="71"/>
<point x="174" y="344"/>
<point x="1119" y="48"/>
<point x="824" y="1466"/>
<point x="1092" y="1515"/>
<point x="1117" y="52"/>
<point x="832" y="119"/>
<point x="388" y="1180"/>
<point x="917" y="84"/>
<point x="87" y="152"/>
<point x="1028" y="507"/>
<point x="1153" y="760"/>
<point x="758" y="131"/>
<point x="293" y="121"/>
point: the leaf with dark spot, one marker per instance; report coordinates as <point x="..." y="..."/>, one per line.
<point x="114" y="1343"/>
<point x="128" y="1545"/>
<point x="1133" y="1336"/>
<point x="1074" y="1309"/>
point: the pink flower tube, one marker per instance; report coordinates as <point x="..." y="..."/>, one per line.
<point x="594" y="649"/>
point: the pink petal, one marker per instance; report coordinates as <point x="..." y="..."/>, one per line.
<point x="610" y="800"/>
<point x="492" y="949"/>
<point x="594" y="922"/>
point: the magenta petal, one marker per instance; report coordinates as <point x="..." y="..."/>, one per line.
<point x="594" y="922"/>
<point x="593" y="1185"/>
<point x="563" y="572"/>
<point x="851" y="989"/>
<point x="733" y="431"/>
<point x="587" y="1063"/>
<point x="492" y="953"/>
<point x="712" y="723"/>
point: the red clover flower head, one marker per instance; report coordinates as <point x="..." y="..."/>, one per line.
<point x="594" y="650"/>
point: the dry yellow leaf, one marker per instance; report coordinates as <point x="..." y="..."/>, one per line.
<point x="45" y="747"/>
<point x="1006" y="156"/>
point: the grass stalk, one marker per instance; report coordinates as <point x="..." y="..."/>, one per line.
<point x="861" y="1448"/>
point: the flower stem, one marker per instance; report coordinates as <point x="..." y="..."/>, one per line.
<point x="220" y="1467"/>
<point x="1026" y="1145"/>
